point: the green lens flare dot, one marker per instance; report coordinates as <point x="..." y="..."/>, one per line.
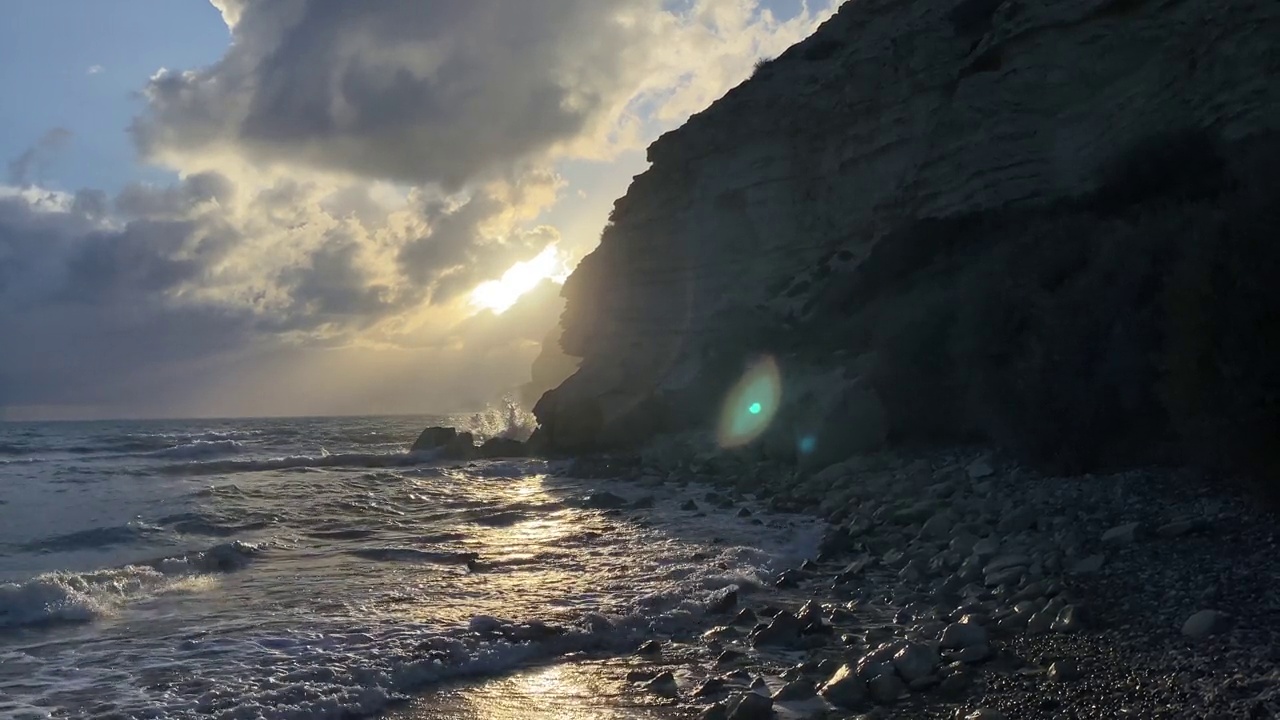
<point x="755" y="408"/>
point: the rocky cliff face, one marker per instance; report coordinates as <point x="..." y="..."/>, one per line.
<point x="782" y="201"/>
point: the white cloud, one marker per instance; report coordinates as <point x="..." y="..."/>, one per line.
<point x="95" y="70"/>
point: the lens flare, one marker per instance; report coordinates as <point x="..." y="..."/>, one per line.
<point x="751" y="404"/>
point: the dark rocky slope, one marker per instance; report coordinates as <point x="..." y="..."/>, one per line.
<point x="1046" y="225"/>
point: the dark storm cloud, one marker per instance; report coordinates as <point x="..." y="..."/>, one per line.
<point x="397" y="89"/>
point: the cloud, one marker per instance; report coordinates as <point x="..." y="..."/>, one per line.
<point x="451" y="93"/>
<point x="22" y="167"/>
<point x="95" y="70"/>
<point x="349" y="172"/>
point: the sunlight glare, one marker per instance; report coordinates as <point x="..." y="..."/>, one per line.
<point x="499" y="295"/>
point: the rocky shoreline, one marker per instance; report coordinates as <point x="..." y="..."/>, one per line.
<point x="955" y="585"/>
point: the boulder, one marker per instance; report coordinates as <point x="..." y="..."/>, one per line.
<point x="499" y="447"/>
<point x="1204" y="624"/>
<point x="845" y="689"/>
<point x="434" y="438"/>
<point x="750" y="706"/>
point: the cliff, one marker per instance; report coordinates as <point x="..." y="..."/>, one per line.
<point x="908" y="204"/>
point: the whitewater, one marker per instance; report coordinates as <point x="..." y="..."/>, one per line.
<point x="315" y="568"/>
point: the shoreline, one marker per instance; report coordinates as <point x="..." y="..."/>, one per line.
<point x="955" y="586"/>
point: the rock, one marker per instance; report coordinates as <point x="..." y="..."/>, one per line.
<point x="433" y="438"/>
<point x="745" y="616"/>
<point x="955" y="685"/>
<point x="1179" y="528"/>
<point x="980" y="714"/>
<point x="1204" y="624"/>
<point x="719" y="711"/>
<point x="710" y="687"/>
<point x="962" y="635"/>
<point x="788" y="579"/>
<point x="750" y="706"/>
<point x="1042" y="622"/>
<point x="637" y="676"/>
<point x="1064" y="671"/>
<point x="744" y="513"/>
<point x="603" y="501"/>
<point x="1017" y="521"/>
<point x="986" y="548"/>
<point x="886" y="689"/>
<point x="1004" y="562"/>
<point x="1121" y="535"/>
<point x="649" y="647"/>
<point x="500" y="447"/>
<point x="722" y="601"/>
<point x="689" y="506"/>
<point x="663" y="685"/>
<point x="937" y="527"/>
<point x="972" y="655"/>
<point x="1068" y="620"/>
<point x="963" y="543"/>
<point x="643" y="503"/>
<point x="915" y="661"/>
<point x="1089" y="565"/>
<point x="784" y="629"/>
<point x="845" y="689"/>
<point x="729" y="656"/>
<point x="980" y="468"/>
<point x="799" y="689"/>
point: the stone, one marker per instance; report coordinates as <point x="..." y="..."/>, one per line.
<point x="1017" y="520"/>
<point x="972" y="654"/>
<point x="980" y="714"/>
<point x="750" y="706"/>
<point x="1063" y="671"/>
<point x="964" y="634"/>
<point x="1121" y="535"/>
<point x="433" y="438"/>
<point x="663" y="685"/>
<point x="784" y="629"/>
<point x="1042" y="622"/>
<point x="845" y="689"/>
<point x="799" y="689"/>
<point x="937" y="527"/>
<point x="886" y="689"/>
<point x="1204" y="624"/>
<point x="986" y="548"/>
<point x="1068" y="620"/>
<point x="722" y="601"/>
<point x="649" y="647"/>
<point x="979" y="469"/>
<point x="718" y="711"/>
<point x="729" y="656"/>
<point x="603" y="501"/>
<point x="710" y="687"/>
<point x="745" y="616"/>
<point x="1179" y="528"/>
<point x="916" y="661"/>
<point x="689" y="506"/>
<point x="1089" y="565"/>
<point x="500" y="447"/>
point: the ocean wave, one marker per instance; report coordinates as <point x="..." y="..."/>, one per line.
<point x="199" y="449"/>
<point x="212" y="526"/>
<point x="60" y="597"/>
<point x="94" y="538"/>
<point x="397" y="554"/>
<point x="293" y="462"/>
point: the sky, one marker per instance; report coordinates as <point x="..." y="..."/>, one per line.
<point x="316" y="207"/>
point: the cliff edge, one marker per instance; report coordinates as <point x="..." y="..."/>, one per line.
<point x="1042" y="224"/>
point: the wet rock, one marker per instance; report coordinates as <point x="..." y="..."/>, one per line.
<point x="980" y="714"/>
<point x="1064" y="670"/>
<point x="1069" y="620"/>
<point x="722" y="601"/>
<point x="1018" y="520"/>
<point x="643" y="503"/>
<point x="972" y="655"/>
<point x="745" y="616"/>
<point x="784" y="629"/>
<point x="433" y="438"/>
<point x="799" y="689"/>
<point x="750" y="706"/>
<point x="649" y="647"/>
<point x="663" y="685"/>
<point x="744" y="513"/>
<point x="603" y="501"/>
<point x="845" y="689"/>
<point x="963" y="543"/>
<point x="1121" y="535"/>
<point x="637" y="676"/>
<point x="712" y="686"/>
<point x="915" y="661"/>
<point x="1091" y="564"/>
<point x="1179" y="528"/>
<point x="937" y="527"/>
<point x="788" y="579"/>
<point x="1204" y="624"/>
<point x="719" y="711"/>
<point x="500" y="447"/>
<point x="986" y="548"/>
<point x="954" y="685"/>
<point x="1042" y="622"/>
<point x="979" y="469"/>
<point x="886" y="689"/>
<point x="729" y="656"/>
<point x="964" y="634"/>
<point x="689" y="506"/>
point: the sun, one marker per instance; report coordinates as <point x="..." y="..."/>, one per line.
<point x="499" y="295"/>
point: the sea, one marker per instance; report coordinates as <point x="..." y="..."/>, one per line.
<point x="314" y="568"/>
